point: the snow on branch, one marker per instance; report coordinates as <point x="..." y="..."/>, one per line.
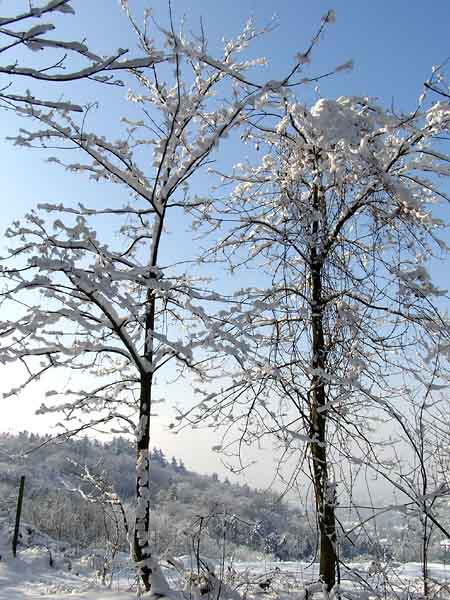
<point x="33" y="36"/>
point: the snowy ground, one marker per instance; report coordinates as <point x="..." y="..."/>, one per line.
<point x="309" y="572"/>
<point x="30" y="575"/>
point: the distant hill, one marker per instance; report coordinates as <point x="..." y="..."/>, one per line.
<point x="186" y="507"/>
<point x="184" y="503"/>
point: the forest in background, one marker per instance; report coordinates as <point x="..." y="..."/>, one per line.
<point x="257" y="522"/>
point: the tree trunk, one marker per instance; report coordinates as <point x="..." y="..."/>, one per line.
<point x="141" y="546"/>
<point x="18" y="514"/>
<point x="323" y="489"/>
<point x="425" y="543"/>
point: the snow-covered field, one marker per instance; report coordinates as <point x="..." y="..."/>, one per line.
<point x="30" y="575"/>
<point x="309" y="572"/>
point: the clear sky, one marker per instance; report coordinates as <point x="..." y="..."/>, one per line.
<point x="393" y="44"/>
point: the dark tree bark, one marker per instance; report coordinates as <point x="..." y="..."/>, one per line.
<point x="18" y="514"/>
<point x="142" y="552"/>
<point x="323" y="491"/>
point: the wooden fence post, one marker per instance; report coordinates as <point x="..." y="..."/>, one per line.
<point x="18" y="513"/>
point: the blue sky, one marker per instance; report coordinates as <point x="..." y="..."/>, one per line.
<point x="393" y="45"/>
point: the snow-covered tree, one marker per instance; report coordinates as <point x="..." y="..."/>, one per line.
<point x="342" y="216"/>
<point x="106" y="301"/>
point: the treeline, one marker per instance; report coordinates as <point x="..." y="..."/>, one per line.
<point x="186" y="506"/>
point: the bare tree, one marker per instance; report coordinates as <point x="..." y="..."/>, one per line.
<point x="339" y="218"/>
<point x="113" y="307"/>
<point x="417" y="470"/>
<point x="95" y="488"/>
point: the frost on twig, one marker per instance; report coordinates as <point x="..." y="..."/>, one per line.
<point x="26" y="30"/>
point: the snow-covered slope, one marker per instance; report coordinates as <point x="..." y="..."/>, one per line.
<point x="30" y="574"/>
